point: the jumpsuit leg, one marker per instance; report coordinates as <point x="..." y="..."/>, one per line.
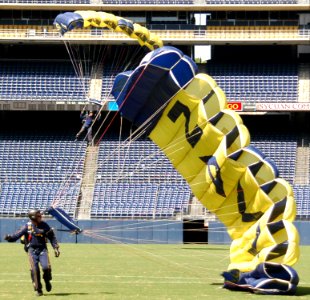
<point x="46" y="266"/>
<point x="89" y="135"/>
<point x="81" y="131"/>
<point x="35" y="270"/>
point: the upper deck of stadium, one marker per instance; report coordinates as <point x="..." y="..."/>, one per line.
<point x="158" y="5"/>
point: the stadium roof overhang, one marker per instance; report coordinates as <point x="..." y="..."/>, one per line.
<point x="196" y="7"/>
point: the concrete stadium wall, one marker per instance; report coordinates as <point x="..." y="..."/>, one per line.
<point x="218" y="235"/>
<point x="110" y="231"/>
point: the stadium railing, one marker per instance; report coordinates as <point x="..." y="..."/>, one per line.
<point x="211" y="33"/>
<point x="161" y="2"/>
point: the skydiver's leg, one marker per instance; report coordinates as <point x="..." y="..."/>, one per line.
<point x="32" y="279"/>
<point x="47" y="270"/>
<point x="81" y="131"/>
<point x="89" y="135"/>
<point x="35" y="270"/>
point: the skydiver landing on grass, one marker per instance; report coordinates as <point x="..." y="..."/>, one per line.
<point x="87" y="121"/>
<point x="35" y="233"/>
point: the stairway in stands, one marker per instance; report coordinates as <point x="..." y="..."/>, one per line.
<point x="88" y="183"/>
<point x="304" y="82"/>
<point x="95" y="87"/>
<point x="303" y="162"/>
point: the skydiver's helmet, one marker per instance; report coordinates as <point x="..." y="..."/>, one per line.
<point x="34" y="214"/>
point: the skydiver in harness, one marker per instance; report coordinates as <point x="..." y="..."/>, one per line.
<point x="35" y="234"/>
<point x="87" y="121"/>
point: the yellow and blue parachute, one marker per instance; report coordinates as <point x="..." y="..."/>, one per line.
<point x="186" y="115"/>
<point x="208" y="144"/>
<point x="87" y="18"/>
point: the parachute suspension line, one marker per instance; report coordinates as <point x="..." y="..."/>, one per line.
<point x="151" y="256"/>
<point x="66" y="183"/>
<point x="75" y="67"/>
<point x="119" y="144"/>
<point x="79" y="71"/>
<point x="109" y="125"/>
<point x="147" y="122"/>
<point x="113" y="68"/>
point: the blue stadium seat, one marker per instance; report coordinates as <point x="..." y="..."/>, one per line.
<point x="256" y="82"/>
<point x="282" y="150"/>
<point x="137" y="181"/>
<point x="41" y="81"/>
<point x="33" y="172"/>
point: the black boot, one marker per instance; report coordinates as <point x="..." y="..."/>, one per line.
<point x="47" y="276"/>
<point x="48" y="286"/>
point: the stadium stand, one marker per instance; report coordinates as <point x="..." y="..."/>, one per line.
<point x="245" y="82"/>
<point x="257" y="82"/>
<point x="149" y="2"/>
<point x="137" y="181"/>
<point x="164" y="2"/>
<point x="108" y="76"/>
<point x="138" y="200"/>
<point x="48" y="1"/>
<point x="41" y="81"/>
<point x="33" y="170"/>
<point x="302" y="196"/>
<point x="251" y="2"/>
<point x="255" y="32"/>
<point x="282" y="150"/>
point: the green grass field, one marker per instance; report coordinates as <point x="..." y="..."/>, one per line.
<point x="132" y="272"/>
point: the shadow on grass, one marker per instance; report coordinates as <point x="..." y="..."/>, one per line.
<point x="76" y="294"/>
<point x="206" y="249"/>
<point x="217" y="283"/>
<point x="303" y="291"/>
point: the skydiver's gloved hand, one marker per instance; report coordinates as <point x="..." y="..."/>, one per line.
<point x="7" y="237"/>
<point x="57" y="252"/>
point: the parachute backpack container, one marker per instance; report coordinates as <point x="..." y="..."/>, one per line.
<point x="186" y="115"/>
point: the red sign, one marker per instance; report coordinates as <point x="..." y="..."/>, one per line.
<point x="237" y="106"/>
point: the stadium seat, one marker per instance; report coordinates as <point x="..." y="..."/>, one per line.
<point x="137" y="180"/>
<point x="35" y="170"/>
<point x="42" y="81"/>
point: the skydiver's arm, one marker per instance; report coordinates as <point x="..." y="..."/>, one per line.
<point x="82" y="114"/>
<point x="50" y="234"/>
<point x="17" y="235"/>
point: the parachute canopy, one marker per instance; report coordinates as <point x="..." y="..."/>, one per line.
<point x="61" y="216"/>
<point x="83" y="19"/>
<point x="209" y="145"/>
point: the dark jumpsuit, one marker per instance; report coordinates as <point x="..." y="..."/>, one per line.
<point x="37" y="250"/>
<point x="87" y="125"/>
